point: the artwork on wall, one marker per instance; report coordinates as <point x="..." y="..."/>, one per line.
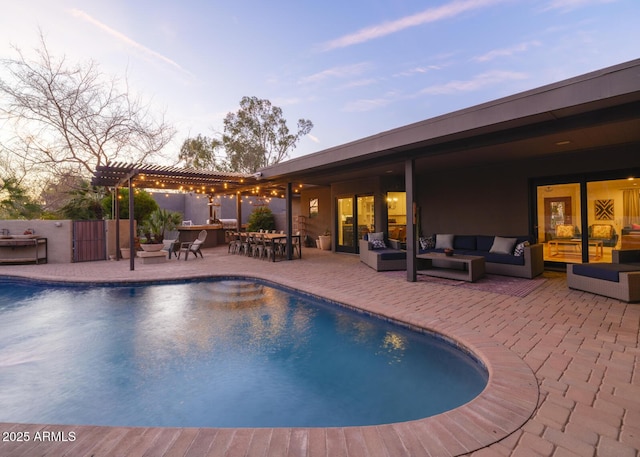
<point x="604" y="210"/>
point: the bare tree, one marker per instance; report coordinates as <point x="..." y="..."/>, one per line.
<point x="71" y="118"/>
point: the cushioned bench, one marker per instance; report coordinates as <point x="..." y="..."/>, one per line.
<point x="620" y="279"/>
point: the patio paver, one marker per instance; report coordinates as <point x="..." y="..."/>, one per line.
<point x="582" y="349"/>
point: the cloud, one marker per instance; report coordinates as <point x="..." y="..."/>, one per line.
<point x="506" y="52"/>
<point x="336" y="72"/>
<point x="419" y="70"/>
<point x="313" y="138"/>
<point x="366" y="105"/>
<point x="445" y="11"/>
<point x="125" y="39"/>
<point x="568" y="5"/>
<point x="476" y="83"/>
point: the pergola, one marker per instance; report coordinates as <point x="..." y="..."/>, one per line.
<point x="210" y="183"/>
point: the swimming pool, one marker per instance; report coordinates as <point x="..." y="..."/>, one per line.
<point x="216" y="354"/>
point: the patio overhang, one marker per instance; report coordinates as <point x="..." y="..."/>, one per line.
<point x="596" y="110"/>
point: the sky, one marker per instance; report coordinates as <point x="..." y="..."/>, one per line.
<point x="354" y="68"/>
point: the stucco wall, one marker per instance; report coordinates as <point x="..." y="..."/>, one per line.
<point x="58" y="233"/>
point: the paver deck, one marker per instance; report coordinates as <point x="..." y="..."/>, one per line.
<point x="580" y="350"/>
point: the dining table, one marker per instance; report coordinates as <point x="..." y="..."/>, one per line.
<point x="278" y="237"/>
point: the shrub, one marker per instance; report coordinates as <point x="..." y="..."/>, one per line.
<point x="261" y="218"/>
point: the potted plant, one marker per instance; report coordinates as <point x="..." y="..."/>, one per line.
<point x="324" y="241"/>
<point x="159" y="222"/>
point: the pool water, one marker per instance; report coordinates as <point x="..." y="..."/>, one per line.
<point x="229" y="353"/>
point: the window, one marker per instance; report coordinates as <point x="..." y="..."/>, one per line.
<point x="397" y="215"/>
<point x="313" y="207"/>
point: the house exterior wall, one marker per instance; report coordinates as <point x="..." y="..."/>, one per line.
<point x="495" y="199"/>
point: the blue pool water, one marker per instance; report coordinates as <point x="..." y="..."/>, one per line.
<point x="215" y="354"/>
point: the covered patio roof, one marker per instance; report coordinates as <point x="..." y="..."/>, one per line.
<point x="145" y="176"/>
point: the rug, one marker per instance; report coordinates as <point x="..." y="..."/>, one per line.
<point x="504" y="285"/>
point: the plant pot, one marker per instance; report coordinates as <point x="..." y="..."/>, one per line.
<point x="125" y="253"/>
<point x="325" y="242"/>
<point x="152" y="247"/>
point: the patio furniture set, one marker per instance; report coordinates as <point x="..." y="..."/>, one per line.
<point x="263" y="245"/>
<point x="470" y="256"/>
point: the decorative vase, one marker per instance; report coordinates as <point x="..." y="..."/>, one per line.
<point x="325" y="242"/>
<point x="152" y="247"/>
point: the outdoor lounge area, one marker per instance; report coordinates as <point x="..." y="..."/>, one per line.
<point x="584" y="368"/>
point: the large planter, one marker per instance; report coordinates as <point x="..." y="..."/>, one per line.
<point x="152" y="247"/>
<point x="325" y="242"/>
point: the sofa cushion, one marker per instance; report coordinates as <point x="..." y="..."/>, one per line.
<point x="464" y="242"/>
<point x="444" y="241"/>
<point x="509" y="259"/>
<point x="391" y="254"/>
<point x="503" y="245"/>
<point x="484" y="242"/>
<point x="605" y="271"/>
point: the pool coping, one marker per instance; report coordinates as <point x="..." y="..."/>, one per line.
<point x="506" y="403"/>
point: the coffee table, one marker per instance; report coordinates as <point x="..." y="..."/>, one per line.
<point x="462" y="267"/>
<point x="577" y="244"/>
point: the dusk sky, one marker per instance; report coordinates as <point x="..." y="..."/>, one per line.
<point x="354" y="68"/>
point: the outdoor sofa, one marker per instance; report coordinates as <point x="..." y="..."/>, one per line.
<point x="503" y="255"/>
<point x="500" y="253"/>
<point x="619" y="279"/>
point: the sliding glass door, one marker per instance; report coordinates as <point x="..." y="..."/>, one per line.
<point x="356" y="216"/>
<point x="585" y="222"/>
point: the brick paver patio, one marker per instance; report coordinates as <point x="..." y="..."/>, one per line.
<point x="581" y="348"/>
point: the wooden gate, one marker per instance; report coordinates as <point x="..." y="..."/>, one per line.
<point x="89" y="241"/>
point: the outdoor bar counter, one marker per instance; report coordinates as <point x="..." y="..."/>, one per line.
<point x="215" y="234"/>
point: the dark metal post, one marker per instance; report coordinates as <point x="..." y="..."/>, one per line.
<point x="412" y="210"/>
<point x="239" y="211"/>
<point x="289" y="222"/>
<point x="132" y="238"/>
<point x="116" y="205"/>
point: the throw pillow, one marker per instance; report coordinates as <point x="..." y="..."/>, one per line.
<point x="503" y="245"/>
<point x="444" y="241"/>
<point x="378" y="244"/>
<point x="519" y="250"/>
<point x="427" y="242"/>
<point x="601" y="231"/>
<point x="565" y="231"/>
<point x="376" y="236"/>
<point x="635" y="226"/>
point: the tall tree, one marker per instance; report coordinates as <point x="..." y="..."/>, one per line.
<point x="200" y="153"/>
<point x="257" y="135"/>
<point x="15" y="203"/>
<point x="70" y="117"/>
